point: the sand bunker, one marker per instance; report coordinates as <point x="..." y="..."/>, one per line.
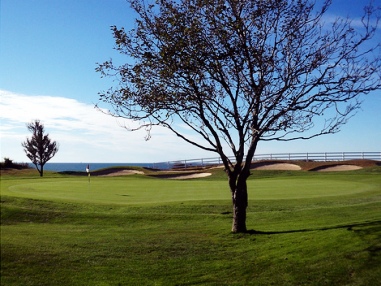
<point x="339" y="168"/>
<point x="184" y="175"/>
<point x="278" y="166"/>
<point x="123" y="173"/>
<point x="191" y="176"/>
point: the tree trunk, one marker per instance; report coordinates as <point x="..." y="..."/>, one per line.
<point x="240" y="201"/>
<point x="238" y="187"/>
<point x="41" y="170"/>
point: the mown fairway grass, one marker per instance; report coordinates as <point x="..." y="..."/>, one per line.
<point x="308" y="228"/>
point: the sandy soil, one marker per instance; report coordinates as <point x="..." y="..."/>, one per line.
<point x="183" y="175"/>
<point x="191" y="176"/>
<point x="279" y="166"/>
<point x="123" y="173"/>
<point x="340" y="168"/>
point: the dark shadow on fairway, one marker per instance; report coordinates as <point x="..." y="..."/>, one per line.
<point x="347" y="226"/>
<point x="372" y="234"/>
<point x="369" y="232"/>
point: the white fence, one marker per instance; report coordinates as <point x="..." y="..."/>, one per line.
<point x="327" y="156"/>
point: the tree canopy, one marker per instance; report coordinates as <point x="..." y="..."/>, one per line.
<point x="237" y="72"/>
<point x="39" y="148"/>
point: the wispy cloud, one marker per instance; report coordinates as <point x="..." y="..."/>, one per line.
<point x="84" y="133"/>
<point x="355" y="22"/>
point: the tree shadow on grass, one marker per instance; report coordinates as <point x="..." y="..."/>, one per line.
<point x="344" y="226"/>
<point x="370" y="232"/>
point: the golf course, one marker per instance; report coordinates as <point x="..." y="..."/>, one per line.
<point x="309" y="225"/>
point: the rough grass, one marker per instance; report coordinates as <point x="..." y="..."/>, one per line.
<point x="307" y="228"/>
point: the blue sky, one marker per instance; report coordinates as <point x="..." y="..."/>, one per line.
<point x="48" y="54"/>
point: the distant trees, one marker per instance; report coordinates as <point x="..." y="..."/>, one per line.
<point x="237" y="72"/>
<point x="39" y="148"/>
<point x="9" y="164"/>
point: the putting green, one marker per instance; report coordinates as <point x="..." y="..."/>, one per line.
<point x="307" y="187"/>
<point x="137" y="189"/>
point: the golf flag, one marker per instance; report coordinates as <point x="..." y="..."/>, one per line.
<point x="88" y="171"/>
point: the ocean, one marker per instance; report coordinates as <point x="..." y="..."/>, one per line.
<point x="81" y="167"/>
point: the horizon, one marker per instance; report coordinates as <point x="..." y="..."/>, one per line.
<point x="296" y="156"/>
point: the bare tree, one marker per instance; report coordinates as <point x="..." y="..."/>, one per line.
<point x="39" y="148"/>
<point x="237" y="72"/>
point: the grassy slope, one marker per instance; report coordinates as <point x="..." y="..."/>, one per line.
<point x="310" y="229"/>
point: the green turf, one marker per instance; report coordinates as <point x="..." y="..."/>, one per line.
<point x="307" y="229"/>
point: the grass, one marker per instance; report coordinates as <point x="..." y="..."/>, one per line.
<point x="307" y="229"/>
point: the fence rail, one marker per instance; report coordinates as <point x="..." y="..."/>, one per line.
<point x="325" y="157"/>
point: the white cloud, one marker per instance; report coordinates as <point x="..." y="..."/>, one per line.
<point x="356" y="22"/>
<point x="83" y="133"/>
<point x="87" y="135"/>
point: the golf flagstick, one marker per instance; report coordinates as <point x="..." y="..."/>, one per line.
<point x="88" y="171"/>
